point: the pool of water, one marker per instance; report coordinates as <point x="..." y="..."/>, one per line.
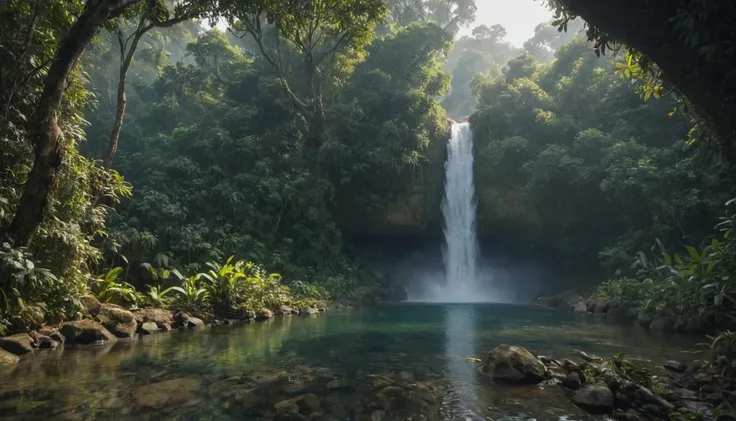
<point x="395" y="362"/>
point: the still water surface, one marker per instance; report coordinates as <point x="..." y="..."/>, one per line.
<point x="419" y="352"/>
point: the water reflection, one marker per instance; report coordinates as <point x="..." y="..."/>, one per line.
<point x="459" y="347"/>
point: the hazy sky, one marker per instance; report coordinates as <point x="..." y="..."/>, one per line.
<point x="519" y="17"/>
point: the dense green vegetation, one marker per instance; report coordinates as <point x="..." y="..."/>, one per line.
<point x="137" y="144"/>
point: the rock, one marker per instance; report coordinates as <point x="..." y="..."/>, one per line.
<point x="148" y="328"/>
<point x="52" y="333"/>
<point x="647" y="396"/>
<point x="698" y="408"/>
<point x="284" y="311"/>
<point x="43" y="341"/>
<point x="580" y="307"/>
<point x="85" y="332"/>
<point x="195" y="323"/>
<point x="611" y="379"/>
<point x="601" y="306"/>
<point x="570" y="366"/>
<point x="629" y="415"/>
<point x="650" y="409"/>
<point x="263" y="314"/>
<point x="6" y="358"/>
<point x="586" y="357"/>
<point x="675" y="366"/>
<point x="572" y="381"/>
<point x="394" y="293"/>
<point x="662" y="323"/>
<point x="297" y="408"/>
<point x="169" y="393"/>
<point x="159" y="316"/>
<point x="544" y="360"/>
<point x="165" y="327"/>
<point x="337" y="384"/>
<point x="378" y="415"/>
<point x="181" y="319"/>
<point x="633" y="313"/>
<point x="307" y="311"/>
<point x="91" y="304"/>
<point x="119" y="321"/>
<point x="17" y="344"/>
<point x="594" y="398"/>
<point x="618" y="311"/>
<point x="644" y="320"/>
<point x="514" y="364"/>
<point x="390" y="397"/>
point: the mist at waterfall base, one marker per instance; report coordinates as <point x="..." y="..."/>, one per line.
<point x="462" y="282"/>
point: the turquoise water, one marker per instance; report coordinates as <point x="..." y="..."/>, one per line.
<point x="396" y="362"/>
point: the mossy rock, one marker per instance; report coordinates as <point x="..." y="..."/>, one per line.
<point x="514" y="364"/>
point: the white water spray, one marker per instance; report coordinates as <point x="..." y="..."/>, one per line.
<point x="458" y="210"/>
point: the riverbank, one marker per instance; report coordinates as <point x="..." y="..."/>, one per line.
<point x="633" y="314"/>
<point x="105" y="323"/>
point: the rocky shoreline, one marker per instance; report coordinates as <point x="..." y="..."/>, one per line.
<point x="629" y="313"/>
<point x="618" y="388"/>
<point x="109" y="323"/>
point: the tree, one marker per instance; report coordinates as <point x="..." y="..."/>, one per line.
<point x="319" y="31"/>
<point x="688" y="45"/>
<point x="495" y="33"/>
<point x="149" y="15"/>
<point x="46" y="134"/>
<point x="451" y="15"/>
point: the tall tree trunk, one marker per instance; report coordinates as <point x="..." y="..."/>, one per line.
<point x="112" y="145"/>
<point x="45" y="131"/>
<point x="649" y="27"/>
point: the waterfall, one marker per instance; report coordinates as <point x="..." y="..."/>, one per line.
<point x="458" y="211"/>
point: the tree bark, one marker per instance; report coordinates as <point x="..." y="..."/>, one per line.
<point x="647" y="26"/>
<point x="112" y="145"/>
<point x="45" y="132"/>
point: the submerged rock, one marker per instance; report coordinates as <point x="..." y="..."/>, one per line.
<point x="17" y="344"/>
<point x="6" y="358"/>
<point x="119" y="321"/>
<point x="337" y="384"/>
<point x="514" y="364"/>
<point x="176" y="392"/>
<point x="85" y="332"/>
<point x="300" y="407"/>
<point x="594" y="398"/>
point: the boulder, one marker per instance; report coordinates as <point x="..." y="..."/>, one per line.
<point x="693" y="325"/>
<point x="662" y="323"/>
<point x="169" y="393"/>
<point x="675" y="366"/>
<point x="618" y="310"/>
<point x="43" y="341"/>
<point x="305" y="311"/>
<point x="119" y="321"/>
<point x="6" y="358"/>
<point x="91" y="304"/>
<point x="594" y="398"/>
<point x="644" y="320"/>
<point x="159" y="316"/>
<point x="284" y="311"/>
<point x="52" y="333"/>
<point x="85" y="332"/>
<point x="148" y="328"/>
<point x="513" y="364"/>
<point x="181" y="319"/>
<point x="601" y="306"/>
<point x="263" y="314"/>
<point x="580" y="307"/>
<point x="18" y="344"/>
<point x="572" y="381"/>
<point x="195" y="323"/>
<point x="299" y="407"/>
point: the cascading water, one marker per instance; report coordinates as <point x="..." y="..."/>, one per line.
<point x="458" y="211"/>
